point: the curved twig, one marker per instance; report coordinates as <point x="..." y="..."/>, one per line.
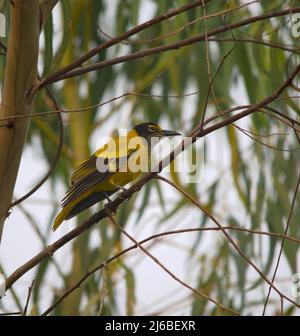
<point x="57" y="155"/>
<point x="195" y="291"/>
<point x="78" y="284"/>
<point x="228" y="237"/>
<point x="285" y="233"/>
<point x="65" y="73"/>
<point x="28" y="298"/>
<point x="52" y="77"/>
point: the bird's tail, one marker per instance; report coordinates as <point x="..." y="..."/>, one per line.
<point x="72" y="209"/>
<point x="61" y="217"/>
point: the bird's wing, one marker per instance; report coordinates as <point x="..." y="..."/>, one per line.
<point x="87" y="175"/>
<point x="114" y="149"/>
<point x="84" y="169"/>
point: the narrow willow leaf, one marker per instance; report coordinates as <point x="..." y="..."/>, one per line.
<point x="145" y="200"/>
<point x="66" y="19"/>
<point x="130" y="290"/>
<point x="236" y="164"/>
<point x="48" y="51"/>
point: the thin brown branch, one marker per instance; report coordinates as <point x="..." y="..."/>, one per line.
<point x="35" y="227"/>
<point x="78" y="284"/>
<point x="198" y="133"/>
<point x="190" y="23"/>
<point x="221" y="112"/>
<point x="281" y="119"/>
<point x="151" y="256"/>
<point x="246" y="132"/>
<point x="60" y="75"/>
<point x="11" y="314"/>
<point x="57" y="155"/>
<point x="255" y="41"/>
<point x="272" y="109"/>
<point x="54" y="112"/>
<point x="14" y="295"/>
<point x="57" y="74"/>
<point x="283" y="240"/>
<point x="67" y="111"/>
<point x="228" y="237"/>
<point x="28" y="298"/>
<point x="145" y="95"/>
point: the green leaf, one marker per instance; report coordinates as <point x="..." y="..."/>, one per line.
<point x="130" y="290"/>
<point x="48" y="51"/>
<point x="66" y="18"/>
<point x="145" y="200"/>
<point x="248" y="76"/>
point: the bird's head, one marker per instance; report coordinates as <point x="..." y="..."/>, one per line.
<point x="151" y="130"/>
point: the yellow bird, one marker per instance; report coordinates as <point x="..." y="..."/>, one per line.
<point x="109" y="169"/>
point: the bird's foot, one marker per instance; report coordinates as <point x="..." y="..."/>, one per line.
<point x="123" y="190"/>
<point x="107" y="197"/>
<point x="126" y="196"/>
<point x="109" y="203"/>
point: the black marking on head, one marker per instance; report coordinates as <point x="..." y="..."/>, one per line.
<point x="147" y="129"/>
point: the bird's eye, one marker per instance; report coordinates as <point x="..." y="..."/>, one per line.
<point x="151" y="128"/>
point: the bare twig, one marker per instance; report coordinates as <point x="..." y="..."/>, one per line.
<point x="190" y="23"/>
<point x="254" y="41"/>
<point x="283" y="240"/>
<point x="57" y="155"/>
<point x="246" y="132"/>
<point x="28" y="298"/>
<point x="78" y="284"/>
<point x="34" y="225"/>
<point x="228" y="237"/>
<point x="54" y="112"/>
<point x="145" y="95"/>
<point x="11" y="314"/>
<point x="60" y="75"/>
<point x="195" y="291"/>
<point x="57" y="74"/>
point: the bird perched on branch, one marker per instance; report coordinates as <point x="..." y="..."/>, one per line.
<point x="110" y="168"/>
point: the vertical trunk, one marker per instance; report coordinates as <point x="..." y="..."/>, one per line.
<point x="20" y="75"/>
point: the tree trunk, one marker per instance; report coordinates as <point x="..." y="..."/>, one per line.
<point x="17" y="99"/>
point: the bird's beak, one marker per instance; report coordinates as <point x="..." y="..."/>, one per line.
<point x="166" y="133"/>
